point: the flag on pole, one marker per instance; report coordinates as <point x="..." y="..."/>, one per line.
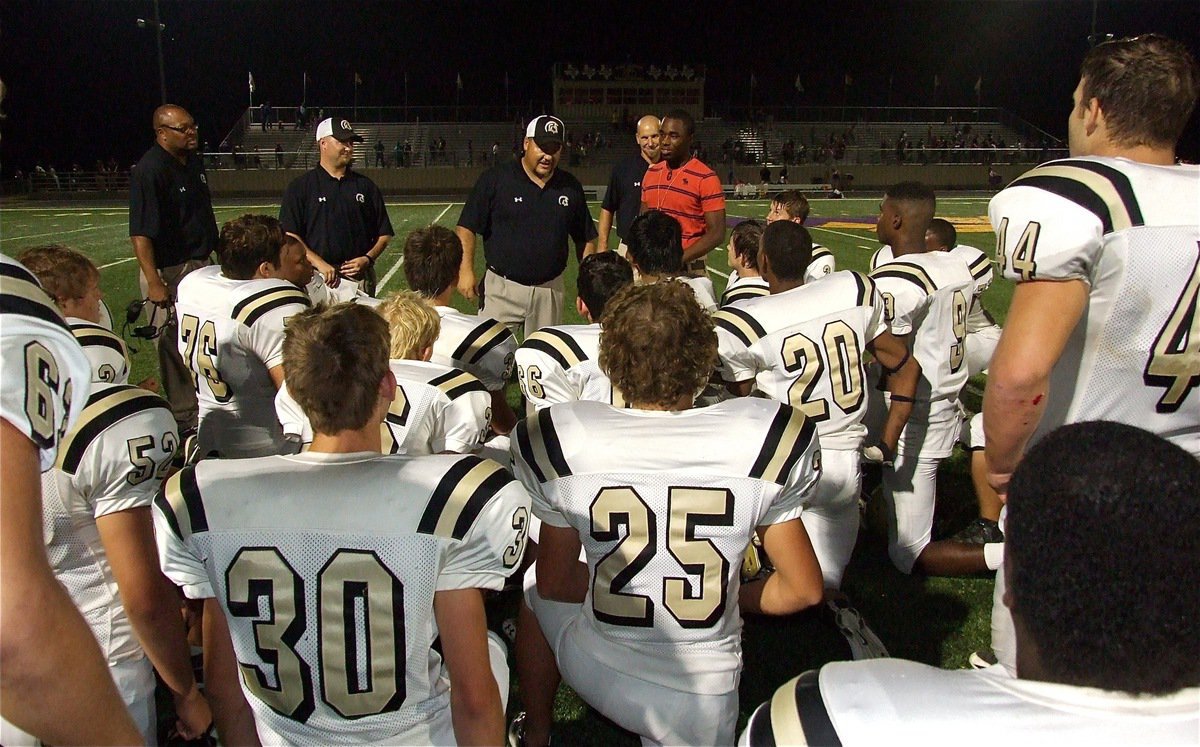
<point x="799" y="85"/>
<point x="753" y="80"/>
<point x="978" y="85"/>
<point x="357" y="79"/>
<point x="458" y="82"/>
<point x="251" y="82"/>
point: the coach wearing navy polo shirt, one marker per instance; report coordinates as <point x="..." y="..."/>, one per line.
<point x="337" y="212"/>
<point x="525" y="210"/>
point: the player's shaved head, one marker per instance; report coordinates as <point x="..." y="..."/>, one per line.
<point x="786" y="251"/>
<point x="658" y="346"/>
<point x="904" y="216"/>
<point x="413" y="325"/>
<point x="1101" y="560"/>
<point x="334" y="360"/>
<point x="941" y="235"/>
<point x="432" y="256"/>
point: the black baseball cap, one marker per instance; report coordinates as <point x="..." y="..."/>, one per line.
<point x="339" y="129"/>
<point x="546" y="129"/>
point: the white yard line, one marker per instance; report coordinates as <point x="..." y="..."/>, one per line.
<point x="118" y="262"/>
<point x="60" y="233"/>
<point x="839" y="233"/>
<point x="435" y="220"/>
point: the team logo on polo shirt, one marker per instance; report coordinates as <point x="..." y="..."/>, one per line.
<point x="204" y="178"/>
<point x="360" y="197"/>
<point x="518" y="199"/>
<point x="564" y="200"/>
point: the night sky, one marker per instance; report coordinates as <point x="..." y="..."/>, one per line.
<point x="82" y="77"/>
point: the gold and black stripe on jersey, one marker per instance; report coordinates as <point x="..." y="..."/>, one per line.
<point x="93" y="335"/>
<point x="741" y="324"/>
<point x="180" y="502"/>
<point x="788" y="437"/>
<point x="103" y="410"/>
<point x="819" y="252"/>
<point x="866" y="288"/>
<point x="481" y="341"/>
<point x="20" y="293"/>
<point x="252" y="308"/>
<point x="742" y="292"/>
<point x="796" y="714"/>
<point x="980" y="267"/>
<point x="461" y="495"/>
<point x="457" y="383"/>
<point x="558" y="345"/>
<point x="875" y="259"/>
<point x="913" y="273"/>
<point x="539" y="446"/>
<point x="1096" y="187"/>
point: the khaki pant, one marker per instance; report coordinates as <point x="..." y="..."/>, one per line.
<point x="524" y="309"/>
<point x="177" y="384"/>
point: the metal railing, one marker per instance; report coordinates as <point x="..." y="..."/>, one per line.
<point x="70" y="181"/>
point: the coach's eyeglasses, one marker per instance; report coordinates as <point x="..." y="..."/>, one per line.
<point x="193" y="127"/>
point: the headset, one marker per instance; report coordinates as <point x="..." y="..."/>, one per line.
<point x="151" y="331"/>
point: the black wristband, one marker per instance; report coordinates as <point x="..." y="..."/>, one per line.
<point x="370" y="259"/>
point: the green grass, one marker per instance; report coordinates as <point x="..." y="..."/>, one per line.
<point x="934" y="620"/>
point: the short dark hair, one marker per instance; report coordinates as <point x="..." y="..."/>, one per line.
<point x="657" y="345"/>
<point x="333" y="359"/>
<point x="745" y="239"/>
<point x="432" y="258"/>
<point x="246" y="242"/>
<point x="600" y="276"/>
<point x="64" y="273"/>
<point x="683" y="115"/>
<point x="944" y="230"/>
<point x="1103" y="526"/>
<point x="794" y="203"/>
<point x="788" y="247"/>
<point x="1146" y="85"/>
<point x="918" y="204"/>
<point x="655" y="243"/>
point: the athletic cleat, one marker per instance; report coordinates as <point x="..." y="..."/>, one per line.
<point x="980" y="532"/>
<point x="864" y="644"/>
<point x="982" y="659"/>
<point x="516" y="731"/>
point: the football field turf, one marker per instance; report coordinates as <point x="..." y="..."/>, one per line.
<point x="938" y="621"/>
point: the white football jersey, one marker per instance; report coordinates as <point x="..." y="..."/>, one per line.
<point x="437" y="409"/>
<point x="664" y="528"/>
<point x="105" y="350"/>
<point x="806" y="347"/>
<point x="479" y="345"/>
<point x="112" y="460"/>
<point x="561" y="364"/>
<point x="703" y="289"/>
<point x="926" y="296"/>
<point x="1131" y="232"/>
<point x="892" y="701"/>
<point x="329" y="594"/>
<point x="980" y="267"/>
<point x="44" y="373"/>
<point x="823" y="263"/>
<point x="739" y="288"/>
<point x="231" y="334"/>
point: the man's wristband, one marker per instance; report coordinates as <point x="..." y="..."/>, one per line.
<point x="370" y="259"/>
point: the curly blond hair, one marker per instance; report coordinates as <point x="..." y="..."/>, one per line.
<point x="413" y="324"/>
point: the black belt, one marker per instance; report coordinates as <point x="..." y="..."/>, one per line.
<point x="517" y="280"/>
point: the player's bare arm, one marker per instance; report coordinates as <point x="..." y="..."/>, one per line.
<point x="231" y="712"/>
<point x="560" y="575"/>
<point x="904" y="373"/>
<point x="41" y="632"/>
<point x="143" y="250"/>
<point x="328" y="271"/>
<point x="1040" y="320"/>
<point x="153" y="609"/>
<point x="474" y="695"/>
<point x="714" y="234"/>
<point x="796" y="582"/>
<point x="466" y="271"/>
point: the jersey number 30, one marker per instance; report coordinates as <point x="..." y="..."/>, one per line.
<point x="360" y="618"/>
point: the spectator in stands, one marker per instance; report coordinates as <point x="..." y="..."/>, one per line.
<point x="623" y="198"/>
<point x="174" y="231"/>
<point x="398" y="154"/>
<point x="346" y="239"/>
<point x="279" y="155"/>
<point x="695" y="199"/>
<point x="525" y="211"/>
<point x="380" y="161"/>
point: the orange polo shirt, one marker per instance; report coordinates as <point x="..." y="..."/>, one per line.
<point x="685" y="193"/>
